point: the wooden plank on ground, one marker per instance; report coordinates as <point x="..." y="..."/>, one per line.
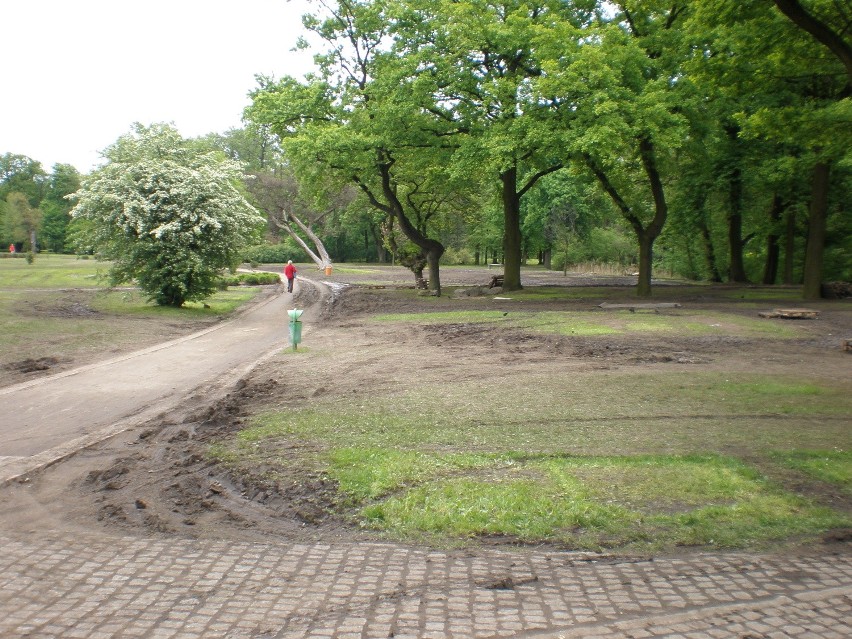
<point x="791" y="313"/>
<point x="639" y="307"/>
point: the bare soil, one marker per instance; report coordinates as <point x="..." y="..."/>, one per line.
<point x="159" y="480"/>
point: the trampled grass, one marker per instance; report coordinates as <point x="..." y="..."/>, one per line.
<point x="621" y="413"/>
<point x="830" y="466"/>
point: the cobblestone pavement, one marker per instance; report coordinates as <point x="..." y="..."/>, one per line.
<point x="135" y="587"/>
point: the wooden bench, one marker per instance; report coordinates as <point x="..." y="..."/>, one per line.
<point x="496" y="281"/>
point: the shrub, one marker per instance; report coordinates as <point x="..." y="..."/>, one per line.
<point x="274" y="253"/>
<point x="248" y="279"/>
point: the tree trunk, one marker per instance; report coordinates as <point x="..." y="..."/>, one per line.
<point x="395" y="210"/>
<point x="646" y="259"/>
<point x="645" y="235"/>
<point x="320" y="257"/>
<point x="511" y="231"/>
<point x="736" y="269"/>
<point x="773" y="250"/>
<point x="709" y="252"/>
<point x="789" y="246"/>
<point x="655" y="227"/>
<point x="816" y="232"/>
<point x="433" y="257"/>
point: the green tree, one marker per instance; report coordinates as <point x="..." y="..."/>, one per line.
<point x="168" y="214"/>
<point x="793" y="82"/>
<point x="20" y="174"/>
<point x="21" y="221"/>
<point x="483" y="59"/>
<point x="359" y="121"/>
<point x="56" y="207"/>
<point x="628" y="120"/>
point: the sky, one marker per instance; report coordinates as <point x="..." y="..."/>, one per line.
<point x="78" y="73"/>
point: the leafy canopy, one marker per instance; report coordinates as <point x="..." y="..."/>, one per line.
<point x="167" y="212"/>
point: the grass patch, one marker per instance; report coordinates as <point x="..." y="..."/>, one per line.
<point x="830" y="466"/>
<point x="606" y="411"/>
<point x="467" y="460"/>
<point x="369" y="473"/>
<point x="66" y="324"/>
<point x="52" y="271"/>
<point x="595" y="503"/>
<point x="594" y="323"/>
<point x="133" y="302"/>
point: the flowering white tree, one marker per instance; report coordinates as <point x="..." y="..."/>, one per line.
<point x="167" y="213"/>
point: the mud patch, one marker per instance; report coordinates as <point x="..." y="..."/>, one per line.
<point x="37" y="365"/>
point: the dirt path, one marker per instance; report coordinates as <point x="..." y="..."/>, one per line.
<point x="51" y="415"/>
<point x="154" y="478"/>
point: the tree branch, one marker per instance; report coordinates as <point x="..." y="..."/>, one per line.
<point x="821" y="31"/>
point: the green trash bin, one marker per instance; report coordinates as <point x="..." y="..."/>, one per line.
<point x="295" y="327"/>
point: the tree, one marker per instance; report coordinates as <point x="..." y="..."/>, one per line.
<point x="21" y="221"/>
<point x="484" y="59"/>
<point x="278" y="195"/>
<point x="18" y="173"/>
<point x="837" y="42"/>
<point x="167" y="213"/>
<point x="628" y="118"/>
<point x="794" y="85"/>
<point x="359" y="122"/>
<point x="55" y="206"/>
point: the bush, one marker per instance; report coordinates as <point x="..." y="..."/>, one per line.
<point x="456" y="256"/>
<point x="274" y="253"/>
<point x="248" y="279"/>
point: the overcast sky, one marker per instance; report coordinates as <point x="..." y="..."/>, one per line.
<point x="76" y="74"/>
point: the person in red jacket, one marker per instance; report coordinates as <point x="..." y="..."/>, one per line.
<point x="290" y="274"/>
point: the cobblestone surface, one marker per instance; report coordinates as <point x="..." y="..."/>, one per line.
<point x="135" y="587"/>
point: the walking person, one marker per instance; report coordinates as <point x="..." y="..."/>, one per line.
<point x="290" y="274"/>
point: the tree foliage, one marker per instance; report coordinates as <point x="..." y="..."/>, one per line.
<point x="168" y="213"/>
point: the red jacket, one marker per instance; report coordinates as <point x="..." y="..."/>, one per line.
<point x="289" y="271"/>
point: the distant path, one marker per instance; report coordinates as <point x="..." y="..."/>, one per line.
<point x="45" y="419"/>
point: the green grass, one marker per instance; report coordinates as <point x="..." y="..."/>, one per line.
<point x="133" y="302"/>
<point x="51" y="271"/>
<point x="595" y="503"/>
